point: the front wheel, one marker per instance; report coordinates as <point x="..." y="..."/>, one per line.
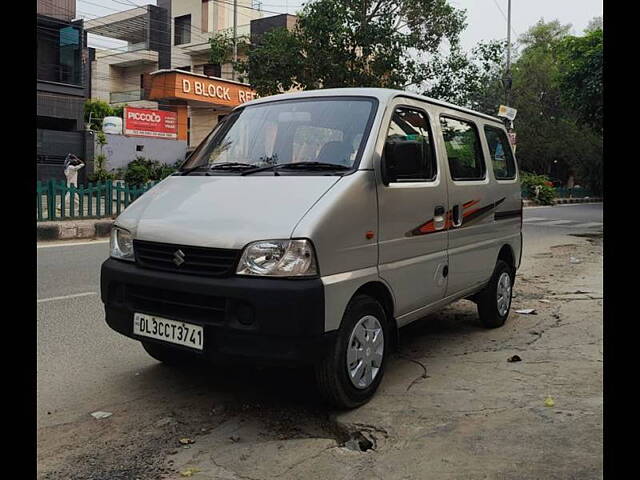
<point x="352" y="368"/>
<point x="494" y="301"/>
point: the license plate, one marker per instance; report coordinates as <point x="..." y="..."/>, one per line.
<point x="171" y="331"/>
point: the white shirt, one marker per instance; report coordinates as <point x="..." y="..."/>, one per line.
<point x="71" y="172"/>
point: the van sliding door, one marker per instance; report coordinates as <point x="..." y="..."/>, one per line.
<point x="411" y="209"/>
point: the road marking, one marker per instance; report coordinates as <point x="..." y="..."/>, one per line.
<point x="72" y="244"/>
<point x="588" y="225"/>
<point x="65" y="297"/>
<point x="533" y="219"/>
<point x="557" y="222"/>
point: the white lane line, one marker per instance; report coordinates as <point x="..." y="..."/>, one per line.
<point x="534" y="219"/>
<point x="65" y="297"/>
<point x="71" y="244"/>
<point x="588" y="225"/>
<point x="556" y="222"/>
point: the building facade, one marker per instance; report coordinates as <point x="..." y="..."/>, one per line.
<point x="63" y="84"/>
<point x="162" y="41"/>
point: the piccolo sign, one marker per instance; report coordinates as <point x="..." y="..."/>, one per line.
<point x="184" y="86"/>
<point x="142" y="122"/>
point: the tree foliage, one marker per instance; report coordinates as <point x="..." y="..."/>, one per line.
<point x="580" y="76"/>
<point x="473" y="80"/>
<point x="354" y="43"/>
<point x="97" y="110"/>
<point x="549" y="127"/>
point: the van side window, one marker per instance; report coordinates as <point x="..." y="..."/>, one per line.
<point x="504" y="167"/>
<point x="408" y="124"/>
<point x="464" y="152"/>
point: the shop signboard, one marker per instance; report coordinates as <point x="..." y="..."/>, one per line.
<point x="142" y="122"/>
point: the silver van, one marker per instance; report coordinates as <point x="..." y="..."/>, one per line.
<point x="309" y="227"/>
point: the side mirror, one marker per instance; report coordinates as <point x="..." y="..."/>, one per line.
<point x="400" y="159"/>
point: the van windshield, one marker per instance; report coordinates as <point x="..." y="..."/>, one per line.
<point x="309" y="132"/>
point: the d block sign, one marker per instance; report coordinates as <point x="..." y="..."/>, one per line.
<point x="141" y="122"/>
<point x="173" y="85"/>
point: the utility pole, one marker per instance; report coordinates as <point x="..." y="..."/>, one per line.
<point x="508" y="79"/>
<point x="509" y="36"/>
<point x="235" y="37"/>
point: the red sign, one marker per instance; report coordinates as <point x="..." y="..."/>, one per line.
<point x="141" y="122"/>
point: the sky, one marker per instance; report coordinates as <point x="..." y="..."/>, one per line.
<point x="486" y="19"/>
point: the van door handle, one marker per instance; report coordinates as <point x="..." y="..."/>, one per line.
<point x="438" y="218"/>
<point x="457" y="216"/>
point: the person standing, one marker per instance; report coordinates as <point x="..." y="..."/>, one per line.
<point x="71" y="166"/>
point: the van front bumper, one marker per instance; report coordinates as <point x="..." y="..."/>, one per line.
<point x="257" y="320"/>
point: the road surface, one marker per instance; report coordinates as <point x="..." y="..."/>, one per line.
<point x="83" y="366"/>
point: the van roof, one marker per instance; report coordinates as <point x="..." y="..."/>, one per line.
<point x="382" y="94"/>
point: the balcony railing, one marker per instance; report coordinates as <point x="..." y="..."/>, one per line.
<point x="124" y="97"/>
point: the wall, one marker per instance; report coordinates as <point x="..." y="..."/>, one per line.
<point x="120" y="150"/>
<point x="60" y="9"/>
<point x="202" y="122"/>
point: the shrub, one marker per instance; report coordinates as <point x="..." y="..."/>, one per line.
<point x="530" y="181"/>
<point x="143" y="170"/>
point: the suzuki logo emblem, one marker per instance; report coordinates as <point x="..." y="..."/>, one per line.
<point x="178" y="257"/>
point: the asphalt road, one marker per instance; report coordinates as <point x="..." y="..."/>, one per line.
<point x="83" y="365"/>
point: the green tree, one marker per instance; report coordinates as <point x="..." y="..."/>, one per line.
<point x="549" y="130"/>
<point x="96" y="110"/>
<point x="472" y="80"/>
<point x="354" y="43"/>
<point x="580" y="76"/>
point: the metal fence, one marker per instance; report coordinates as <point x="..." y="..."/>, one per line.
<point x="561" y="192"/>
<point x="578" y="192"/>
<point x="57" y="201"/>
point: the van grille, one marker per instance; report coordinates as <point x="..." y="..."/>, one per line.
<point x="212" y="262"/>
<point x="204" y="309"/>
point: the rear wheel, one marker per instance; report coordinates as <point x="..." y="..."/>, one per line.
<point x="353" y="366"/>
<point x="494" y="301"/>
<point x="166" y="354"/>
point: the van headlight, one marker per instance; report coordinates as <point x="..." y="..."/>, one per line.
<point x="121" y="244"/>
<point x="278" y="258"/>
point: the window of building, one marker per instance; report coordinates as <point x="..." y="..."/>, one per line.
<point x="504" y="166"/>
<point x="182" y="30"/>
<point x="212" y="70"/>
<point x="464" y="152"/>
<point x="409" y="124"/>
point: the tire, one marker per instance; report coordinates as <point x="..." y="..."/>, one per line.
<point x="332" y="373"/>
<point x="166" y="354"/>
<point x="491" y="310"/>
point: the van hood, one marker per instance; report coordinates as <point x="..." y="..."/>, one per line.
<point x="223" y="211"/>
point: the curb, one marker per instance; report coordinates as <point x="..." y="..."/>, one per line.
<point x="73" y="229"/>
<point x="562" y="201"/>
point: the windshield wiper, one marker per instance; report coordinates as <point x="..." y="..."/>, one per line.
<point x="218" y="166"/>
<point x="300" y="165"/>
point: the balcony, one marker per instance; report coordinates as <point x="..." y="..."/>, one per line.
<point x="203" y="47"/>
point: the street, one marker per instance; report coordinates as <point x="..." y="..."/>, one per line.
<point x="450" y="405"/>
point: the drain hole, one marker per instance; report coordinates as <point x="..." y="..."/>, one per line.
<point x="358" y="442"/>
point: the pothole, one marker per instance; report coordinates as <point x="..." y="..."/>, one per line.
<point x="359" y="443"/>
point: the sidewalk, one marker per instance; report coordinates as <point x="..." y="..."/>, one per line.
<point x="562" y="201"/>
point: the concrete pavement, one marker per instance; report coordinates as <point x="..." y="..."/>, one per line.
<point x="471" y="415"/>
